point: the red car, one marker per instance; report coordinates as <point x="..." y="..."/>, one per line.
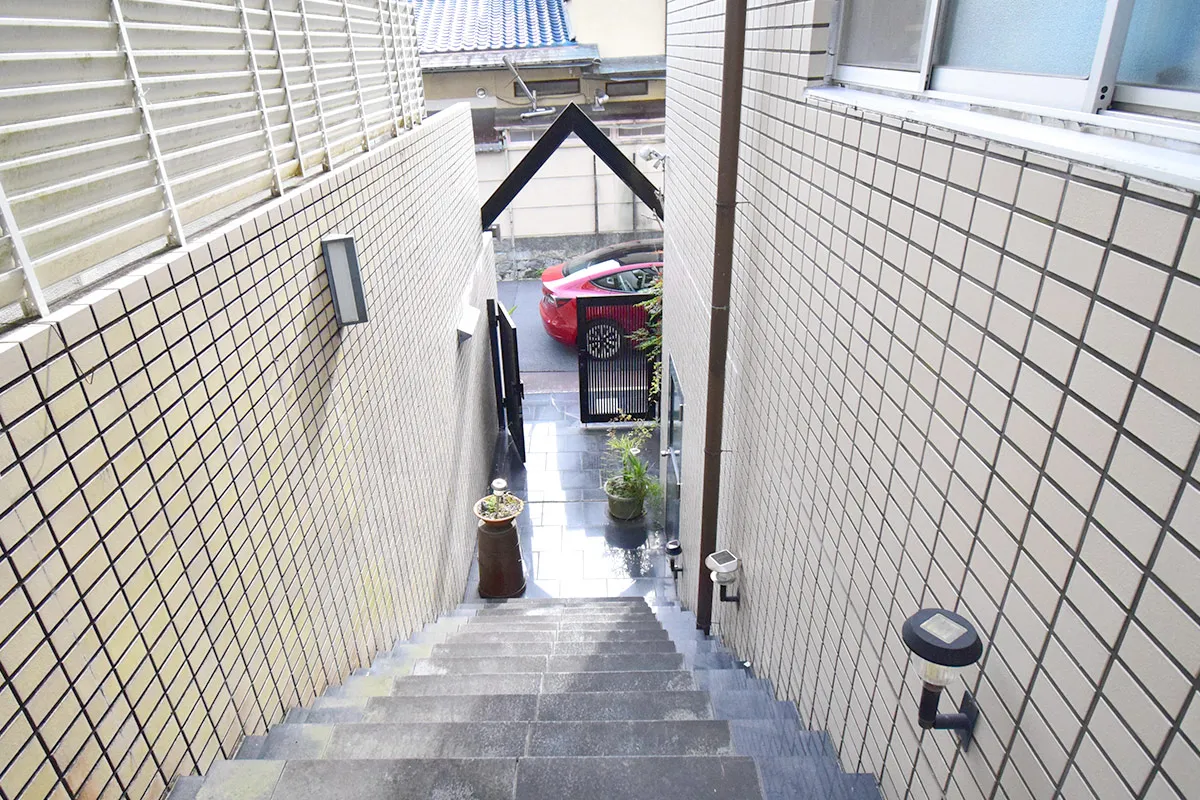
<point x="605" y="335"/>
<point x="642" y="251"/>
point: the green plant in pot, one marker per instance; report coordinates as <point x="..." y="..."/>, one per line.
<point x="632" y="482"/>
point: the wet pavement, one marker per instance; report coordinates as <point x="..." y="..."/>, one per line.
<point x="570" y="546"/>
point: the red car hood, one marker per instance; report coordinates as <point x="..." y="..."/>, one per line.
<point x="553" y="273"/>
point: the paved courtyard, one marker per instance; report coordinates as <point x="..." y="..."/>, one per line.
<point x="571" y="547"/>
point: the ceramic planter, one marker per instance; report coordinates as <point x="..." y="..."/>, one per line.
<point x="501" y="571"/>
<point x="623" y="507"/>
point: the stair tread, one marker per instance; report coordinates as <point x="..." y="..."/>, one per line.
<point x="497" y="739"/>
<point x="659" y="777"/>
<point x="590" y="698"/>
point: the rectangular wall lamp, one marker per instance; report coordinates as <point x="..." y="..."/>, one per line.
<point x="345" y="281"/>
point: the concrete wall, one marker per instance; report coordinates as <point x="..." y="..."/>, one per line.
<point x="443" y="89"/>
<point x="961" y="374"/>
<point x="620" y="27"/>
<point x="213" y="501"/>
<point x="573" y="193"/>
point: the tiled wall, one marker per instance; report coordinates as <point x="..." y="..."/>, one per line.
<point x="213" y="501"/>
<point x="961" y="375"/>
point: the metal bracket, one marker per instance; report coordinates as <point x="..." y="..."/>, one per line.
<point x="730" y="598"/>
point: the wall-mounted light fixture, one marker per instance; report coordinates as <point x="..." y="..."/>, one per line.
<point x="468" y="321"/>
<point x="674" y="550"/>
<point x="724" y="566"/>
<point x="345" y="281"/>
<point x="943" y="643"/>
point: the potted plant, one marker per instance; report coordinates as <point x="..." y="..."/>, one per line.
<point x="497" y="511"/>
<point x="628" y="489"/>
<point x="501" y="570"/>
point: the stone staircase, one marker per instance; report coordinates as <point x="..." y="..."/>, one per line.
<point x="593" y="699"/>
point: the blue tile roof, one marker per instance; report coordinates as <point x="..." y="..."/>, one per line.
<point x="457" y="26"/>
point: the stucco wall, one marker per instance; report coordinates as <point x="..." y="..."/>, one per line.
<point x="213" y="501"/>
<point x="961" y="374"/>
<point x="619" y="27"/>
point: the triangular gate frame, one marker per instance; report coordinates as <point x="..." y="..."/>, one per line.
<point x="571" y="120"/>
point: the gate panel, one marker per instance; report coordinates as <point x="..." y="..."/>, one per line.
<point x="514" y="390"/>
<point x="614" y="376"/>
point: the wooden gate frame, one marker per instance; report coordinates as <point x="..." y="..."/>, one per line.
<point x="571" y="120"/>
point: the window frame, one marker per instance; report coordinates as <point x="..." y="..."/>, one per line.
<point x="1093" y="94"/>
<point x="538" y="87"/>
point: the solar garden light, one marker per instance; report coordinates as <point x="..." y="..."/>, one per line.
<point x="674" y="550"/>
<point x="345" y="281"/>
<point x="943" y="643"/>
<point x="724" y="566"/>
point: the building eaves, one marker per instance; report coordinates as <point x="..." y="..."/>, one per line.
<point x="632" y="67"/>
<point x="575" y="55"/>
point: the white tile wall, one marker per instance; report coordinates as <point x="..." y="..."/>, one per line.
<point x="214" y="502"/>
<point x="960" y="374"/>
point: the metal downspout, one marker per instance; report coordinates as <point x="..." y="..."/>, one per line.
<point x="718" y="336"/>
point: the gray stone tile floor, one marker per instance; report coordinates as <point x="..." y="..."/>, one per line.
<point x="569" y="544"/>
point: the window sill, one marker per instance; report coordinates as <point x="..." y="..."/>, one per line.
<point x="1163" y="151"/>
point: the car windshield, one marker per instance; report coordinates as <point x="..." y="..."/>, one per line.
<point x="645" y="251"/>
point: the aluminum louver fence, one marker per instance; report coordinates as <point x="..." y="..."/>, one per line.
<point x="125" y="125"/>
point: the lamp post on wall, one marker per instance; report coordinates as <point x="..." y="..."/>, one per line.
<point x="345" y="280"/>
<point x="944" y="643"/>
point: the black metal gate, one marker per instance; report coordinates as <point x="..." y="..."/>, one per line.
<point x="674" y="453"/>
<point x="506" y="369"/>
<point x="614" y="376"/>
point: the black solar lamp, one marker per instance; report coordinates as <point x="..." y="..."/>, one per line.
<point x="345" y="281"/>
<point x="943" y="643"/>
<point x="674" y="550"/>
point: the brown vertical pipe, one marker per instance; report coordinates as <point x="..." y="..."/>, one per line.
<point x="718" y="332"/>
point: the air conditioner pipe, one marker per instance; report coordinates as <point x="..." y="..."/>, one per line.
<point x="722" y="278"/>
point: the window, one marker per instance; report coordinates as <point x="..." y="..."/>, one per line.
<point x="626" y="88"/>
<point x="549" y="88"/>
<point x="631" y="281"/>
<point x="1078" y="55"/>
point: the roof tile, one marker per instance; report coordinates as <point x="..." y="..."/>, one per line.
<point x="456" y="26"/>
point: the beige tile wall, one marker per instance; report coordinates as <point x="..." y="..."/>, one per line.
<point x="214" y="501"/>
<point x="962" y="375"/>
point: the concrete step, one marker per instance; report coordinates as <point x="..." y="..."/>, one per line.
<point x="750" y="704"/>
<point x="623" y="662"/>
<point x="563" y="612"/>
<point x="630" y="738"/>
<point x="452" y="708"/>
<point x="570" y="602"/>
<point x="651" y="778"/>
<point x="579" y="621"/>
<point x="186" y="787"/>
<point x="790" y="778"/>
<point x="622" y="635"/>
<point x="552" y="648"/>
<point x="381" y="779"/>
<point x="497" y="739"/>
<point x="668" y="705"/>
<point x="398" y="740"/>
<point x="251" y="747"/>
<point x="776" y="738"/>
<point x="617" y="681"/>
<point x="436" y="685"/>
<point x="733" y="678"/>
<point x="476" y="666"/>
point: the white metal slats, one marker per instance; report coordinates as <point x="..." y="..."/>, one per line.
<point x="124" y="124"/>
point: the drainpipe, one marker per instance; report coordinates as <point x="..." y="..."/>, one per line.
<point x="718" y="332"/>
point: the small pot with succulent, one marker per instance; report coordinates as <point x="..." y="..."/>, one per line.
<point x="501" y="570"/>
<point x="632" y="483"/>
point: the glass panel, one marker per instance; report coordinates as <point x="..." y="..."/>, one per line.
<point x="1027" y="36"/>
<point x="883" y="33"/>
<point x="1163" y="46"/>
